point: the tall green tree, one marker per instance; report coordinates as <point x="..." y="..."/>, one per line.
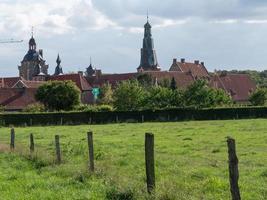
<point x="106" y="94"/>
<point x="59" y="95"/>
<point x="200" y="95"/>
<point x="128" y="95"/>
<point x="158" y="97"/>
<point x="259" y="97"/>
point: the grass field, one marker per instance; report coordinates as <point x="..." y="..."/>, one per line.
<point x="191" y="161"/>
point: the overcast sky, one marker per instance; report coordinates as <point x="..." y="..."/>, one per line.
<point x="225" y="34"/>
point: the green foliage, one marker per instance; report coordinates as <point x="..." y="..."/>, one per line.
<point x="259" y="97"/>
<point x="145" y="80"/>
<point x="220" y="98"/>
<point x="86" y="108"/>
<point x="200" y="95"/>
<point x="190" y="161"/>
<point x="2" y="108"/>
<point x="164" y="82"/>
<point x="159" y="97"/>
<point x="104" y="108"/>
<point x="128" y="95"/>
<point x="59" y="95"/>
<point x="94" y="108"/>
<point x="106" y="94"/>
<point x="34" y="108"/>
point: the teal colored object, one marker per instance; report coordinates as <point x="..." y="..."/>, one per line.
<point x="96" y="92"/>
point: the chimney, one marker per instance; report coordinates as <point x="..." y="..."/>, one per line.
<point x="80" y="72"/>
<point x="41" y="52"/>
<point x="182" y="60"/>
<point x="197" y="62"/>
<point x="174" y="61"/>
<point x="202" y="63"/>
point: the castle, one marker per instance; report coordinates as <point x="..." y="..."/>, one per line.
<point x="18" y="92"/>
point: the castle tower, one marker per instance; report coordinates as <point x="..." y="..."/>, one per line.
<point x="148" y="53"/>
<point x="58" y="70"/>
<point x="33" y="63"/>
<point x="90" y="71"/>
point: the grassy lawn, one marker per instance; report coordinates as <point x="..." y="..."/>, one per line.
<point x="191" y="161"/>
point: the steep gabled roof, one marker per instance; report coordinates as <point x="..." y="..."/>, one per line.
<point x="239" y="86"/>
<point x="17" y="98"/>
<point x="28" y="84"/>
<point x="78" y="79"/>
<point x="197" y="69"/>
<point x="8" y="82"/>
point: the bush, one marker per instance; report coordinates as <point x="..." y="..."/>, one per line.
<point x="200" y="95"/>
<point x="86" y="108"/>
<point x="34" y="108"/>
<point x="94" y="108"/>
<point x="2" y="109"/>
<point x="59" y="95"/>
<point x="128" y="95"/>
<point x="259" y="97"/>
<point x="104" y="108"/>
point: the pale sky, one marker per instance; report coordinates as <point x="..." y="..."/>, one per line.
<point x="225" y="34"/>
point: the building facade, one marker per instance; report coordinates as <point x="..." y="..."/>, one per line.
<point x="148" y="60"/>
<point x="33" y="65"/>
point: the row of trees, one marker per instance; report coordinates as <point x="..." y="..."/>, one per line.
<point x="137" y="95"/>
<point x="129" y="95"/>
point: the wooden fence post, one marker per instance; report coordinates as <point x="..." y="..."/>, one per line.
<point x="31" y="143"/>
<point x="12" y="139"/>
<point x="58" y="153"/>
<point x="91" y="151"/>
<point x="233" y="169"/>
<point x="150" y="165"/>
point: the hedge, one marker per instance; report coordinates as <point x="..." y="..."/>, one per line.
<point x="177" y="114"/>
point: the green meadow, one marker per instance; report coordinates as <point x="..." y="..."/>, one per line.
<point x="191" y="161"/>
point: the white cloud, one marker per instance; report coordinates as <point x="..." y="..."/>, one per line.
<point x="262" y="21"/>
<point x="225" y="21"/>
<point x="50" y="17"/>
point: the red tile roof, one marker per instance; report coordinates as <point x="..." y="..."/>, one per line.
<point x="8" y="82"/>
<point x="17" y="98"/>
<point x="112" y="79"/>
<point x="182" y="79"/>
<point x="28" y="84"/>
<point x="239" y="86"/>
<point x="197" y="69"/>
<point x="80" y="81"/>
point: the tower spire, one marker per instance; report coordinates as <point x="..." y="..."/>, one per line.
<point x="147" y="16"/>
<point x="32" y="31"/>
<point x="148" y="53"/>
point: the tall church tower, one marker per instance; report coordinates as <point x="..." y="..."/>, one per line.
<point x="33" y="63"/>
<point x="148" y="53"/>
